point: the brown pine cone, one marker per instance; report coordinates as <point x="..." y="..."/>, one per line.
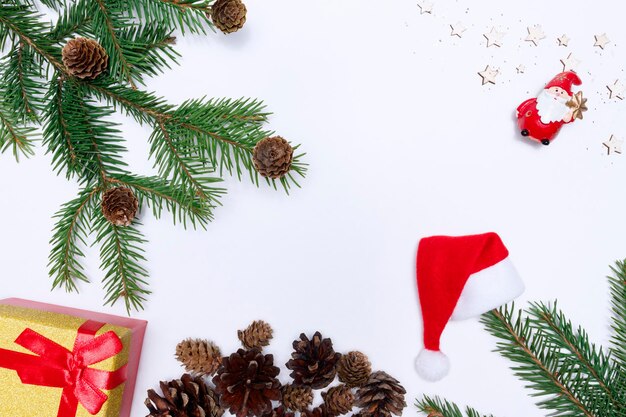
<point x="119" y="206"/>
<point x="354" y="369"/>
<point x="381" y="396"/>
<point x="339" y="400"/>
<point x="202" y="357"/>
<point x="314" y="361"/>
<point x="256" y="335"/>
<point x="316" y="412"/>
<point x="228" y="15"/>
<point x="185" y="397"/>
<point x="247" y="383"/>
<point x="272" y="157"/>
<point x="297" y="397"/>
<point x="281" y="412"/>
<point x="84" y="58"/>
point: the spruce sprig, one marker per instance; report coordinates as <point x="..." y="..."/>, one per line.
<point x="192" y="144"/>
<point x="571" y="375"/>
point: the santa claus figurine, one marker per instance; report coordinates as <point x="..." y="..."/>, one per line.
<point x="541" y="118"/>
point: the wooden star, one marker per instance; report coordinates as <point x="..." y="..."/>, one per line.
<point x="570" y="63"/>
<point x="494" y="38"/>
<point x="613" y="145"/>
<point x="520" y="69"/>
<point x="535" y="34"/>
<point x="602" y="41"/>
<point x="563" y="40"/>
<point x="489" y="75"/>
<point x="425" y="7"/>
<point x="458" y="29"/>
<point x="579" y="104"/>
<point x="617" y="90"/>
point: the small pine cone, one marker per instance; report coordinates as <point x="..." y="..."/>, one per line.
<point x="381" y="396"/>
<point x="228" y="15"/>
<point x="119" y="206"/>
<point x="354" y="369"/>
<point x="297" y="398"/>
<point x="272" y="157"/>
<point x="256" y="335"/>
<point x="186" y="397"/>
<point x="84" y="58"/>
<point x="202" y="357"/>
<point x="313" y="362"/>
<point x="281" y="412"/>
<point x="320" y="411"/>
<point x="339" y="400"/>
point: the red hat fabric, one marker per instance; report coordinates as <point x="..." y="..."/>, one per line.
<point x="565" y="80"/>
<point x="458" y="278"/>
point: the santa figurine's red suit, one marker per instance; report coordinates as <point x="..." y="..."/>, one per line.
<point x="541" y="118"/>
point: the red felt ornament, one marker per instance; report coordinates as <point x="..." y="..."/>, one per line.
<point x="541" y="118"/>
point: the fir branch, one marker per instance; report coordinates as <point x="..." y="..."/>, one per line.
<point x="537" y="361"/>
<point x="18" y="138"/>
<point x="617" y="283"/>
<point x="437" y="407"/>
<point x="20" y="82"/>
<point x="70" y="232"/>
<point x="148" y="49"/>
<point x="192" y="15"/>
<point x="121" y="258"/>
<point x="73" y="20"/>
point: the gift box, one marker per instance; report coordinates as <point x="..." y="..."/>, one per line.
<point x="63" y="362"/>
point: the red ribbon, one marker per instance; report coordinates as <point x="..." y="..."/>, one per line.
<point x="56" y="366"/>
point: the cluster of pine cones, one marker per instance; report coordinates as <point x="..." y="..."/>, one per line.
<point x="245" y="383"/>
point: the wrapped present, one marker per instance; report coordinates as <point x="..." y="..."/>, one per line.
<point x="62" y="362"/>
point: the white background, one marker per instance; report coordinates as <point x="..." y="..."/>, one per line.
<point x="403" y="142"/>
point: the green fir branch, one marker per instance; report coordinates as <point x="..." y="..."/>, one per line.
<point x="617" y="282"/>
<point x="69" y="233"/>
<point x="191" y="15"/>
<point x="148" y="49"/>
<point x="437" y="407"/>
<point x="16" y="137"/>
<point x="20" y="82"/>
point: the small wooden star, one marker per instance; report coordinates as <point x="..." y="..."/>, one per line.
<point x="425" y="7"/>
<point x="602" y="41"/>
<point x="617" y="90"/>
<point x="457" y="29"/>
<point x="494" y="38"/>
<point x="535" y="34"/>
<point x="520" y="69"/>
<point x="613" y="145"/>
<point x="489" y="75"/>
<point x="579" y="104"/>
<point x="570" y="63"/>
<point x="563" y="40"/>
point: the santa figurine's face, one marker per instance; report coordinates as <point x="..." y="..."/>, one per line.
<point x="552" y="105"/>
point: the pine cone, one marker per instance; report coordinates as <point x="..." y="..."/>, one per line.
<point x="202" y="357"/>
<point x="247" y="383"/>
<point x="381" y="396"/>
<point x="272" y="157"/>
<point x="119" y="206"/>
<point x="354" y="369"/>
<point x="228" y="15"/>
<point x="314" y="361"/>
<point x="281" y="412"/>
<point x="84" y="58"/>
<point x="316" y="412"/>
<point x="186" y="397"/>
<point x="256" y="335"/>
<point x="296" y="397"/>
<point x="339" y="400"/>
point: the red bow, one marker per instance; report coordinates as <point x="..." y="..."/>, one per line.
<point x="56" y="366"/>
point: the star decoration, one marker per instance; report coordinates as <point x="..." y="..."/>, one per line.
<point x="563" y="40"/>
<point x="425" y="7"/>
<point x="458" y="29"/>
<point x="579" y="104"/>
<point x="489" y="75"/>
<point x="494" y="38"/>
<point x="602" y="41"/>
<point x="520" y="69"/>
<point x="535" y="34"/>
<point x="617" y="90"/>
<point x="570" y="63"/>
<point x="613" y="145"/>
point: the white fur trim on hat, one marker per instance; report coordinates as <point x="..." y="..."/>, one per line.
<point x="432" y="365"/>
<point x="488" y="289"/>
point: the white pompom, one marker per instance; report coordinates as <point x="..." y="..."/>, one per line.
<point x="432" y="365"/>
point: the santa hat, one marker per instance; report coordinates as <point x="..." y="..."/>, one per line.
<point x="565" y="80"/>
<point x="459" y="278"/>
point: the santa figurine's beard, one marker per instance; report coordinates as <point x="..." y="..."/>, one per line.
<point x="551" y="108"/>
